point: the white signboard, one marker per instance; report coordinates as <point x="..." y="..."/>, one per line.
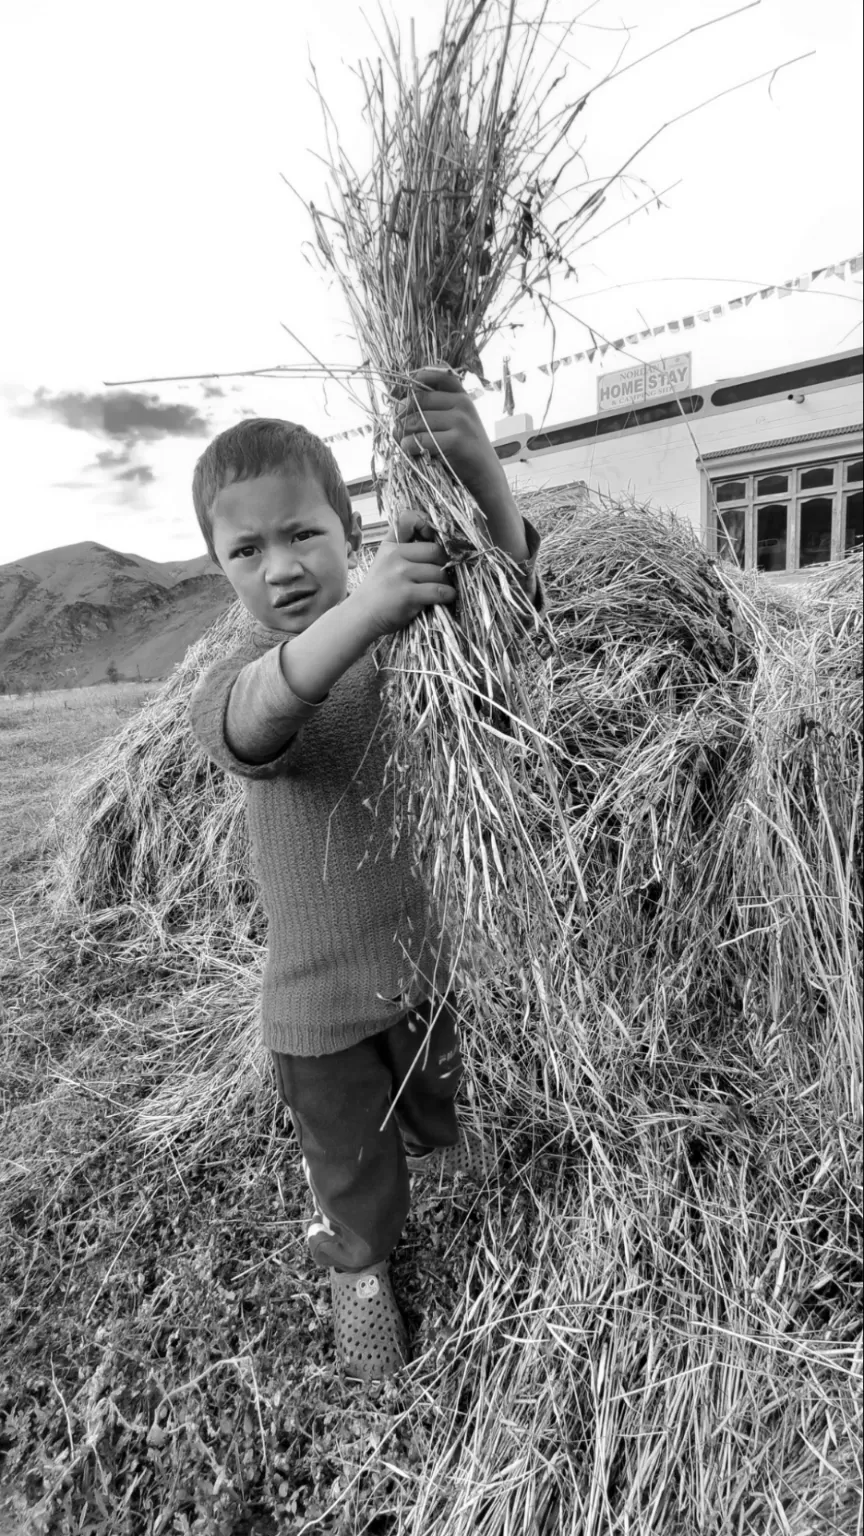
<point x="644" y="382"/>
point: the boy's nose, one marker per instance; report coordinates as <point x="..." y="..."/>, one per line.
<point x="283" y="568"/>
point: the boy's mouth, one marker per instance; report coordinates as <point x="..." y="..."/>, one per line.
<point x="295" y="600"/>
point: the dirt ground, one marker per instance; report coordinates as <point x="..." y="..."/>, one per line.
<point x="12" y="1516"/>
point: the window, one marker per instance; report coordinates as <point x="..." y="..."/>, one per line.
<point x="640" y="416"/>
<point x="796" y="378"/>
<point x="790" y="518"/>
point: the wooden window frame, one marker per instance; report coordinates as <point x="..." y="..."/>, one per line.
<point x="793" y="462"/>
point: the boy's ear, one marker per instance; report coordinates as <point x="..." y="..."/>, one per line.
<point x="355" y="539"/>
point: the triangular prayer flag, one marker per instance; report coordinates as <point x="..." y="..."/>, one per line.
<point x="643" y="334"/>
<point x="688" y="322"/>
<point x="736" y="303"/>
<point x="705" y="316"/>
<point x="632" y="340"/>
<point x="765" y="293"/>
<point x="591" y="354"/>
<point x="856" y="263"/>
<point x="673" y="325"/>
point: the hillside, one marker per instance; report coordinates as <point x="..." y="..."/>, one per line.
<point x="67" y="614"/>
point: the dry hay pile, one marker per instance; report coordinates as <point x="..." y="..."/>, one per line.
<point x="659" y="1330"/>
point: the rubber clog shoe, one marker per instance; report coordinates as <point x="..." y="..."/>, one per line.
<point x="371" y="1340"/>
<point x="471" y="1158"/>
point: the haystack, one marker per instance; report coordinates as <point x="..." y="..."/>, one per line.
<point x="680" y="700"/>
<point x="660" y="1322"/>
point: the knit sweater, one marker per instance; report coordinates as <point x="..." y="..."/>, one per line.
<point x="351" y="937"/>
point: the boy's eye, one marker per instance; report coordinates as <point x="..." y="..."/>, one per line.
<point x="302" y="533"/>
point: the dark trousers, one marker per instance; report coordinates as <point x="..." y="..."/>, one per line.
<point x="354" y="1163"/>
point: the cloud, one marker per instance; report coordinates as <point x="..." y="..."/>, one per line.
<point x="126" y="416"/>
<point x="140" y="472"/>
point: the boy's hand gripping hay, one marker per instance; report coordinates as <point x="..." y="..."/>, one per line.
<point x="438" y="419"/>
<point x="408" y="573"/>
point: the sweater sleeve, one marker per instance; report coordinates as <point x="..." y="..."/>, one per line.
<point x="246" y="717"/>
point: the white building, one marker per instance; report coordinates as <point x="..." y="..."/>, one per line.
<point x="767" y="466"/>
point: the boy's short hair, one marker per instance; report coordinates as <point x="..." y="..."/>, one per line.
<point x="263" y="445"/>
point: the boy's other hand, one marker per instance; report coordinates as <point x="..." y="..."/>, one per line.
<point x="437" y="417"/>
<point x="405" y="577"/>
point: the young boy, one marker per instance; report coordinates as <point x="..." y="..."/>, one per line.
<point x="352" y="947"/>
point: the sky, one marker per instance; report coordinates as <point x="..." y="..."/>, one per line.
<point x="151" y="231"/>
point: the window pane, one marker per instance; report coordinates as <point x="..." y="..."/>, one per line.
<point x="772" y="485"/>
<point x="853" y="471"/>
<point x="854" y="533"/>
<point x="771" y="537"/>
<point x="818" y="474"/>
<point x="730" y="535"/>
<point x="730" y="490"/>
<point x="815" y="535"/>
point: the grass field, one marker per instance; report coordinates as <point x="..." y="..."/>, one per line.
<point x="42" y="738"/>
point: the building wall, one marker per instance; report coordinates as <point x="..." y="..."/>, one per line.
<point x="661" y="462"/>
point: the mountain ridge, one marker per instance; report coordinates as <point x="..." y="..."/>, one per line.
<point x="79" y="613"/>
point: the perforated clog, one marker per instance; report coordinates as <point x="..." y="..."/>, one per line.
<point x="471" y="1158"/>
<point x="371" y="1340"/>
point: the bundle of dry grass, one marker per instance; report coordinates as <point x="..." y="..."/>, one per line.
<point x="433" y="247"/>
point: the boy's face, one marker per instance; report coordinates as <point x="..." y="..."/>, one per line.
<point x="283" y="548"/>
